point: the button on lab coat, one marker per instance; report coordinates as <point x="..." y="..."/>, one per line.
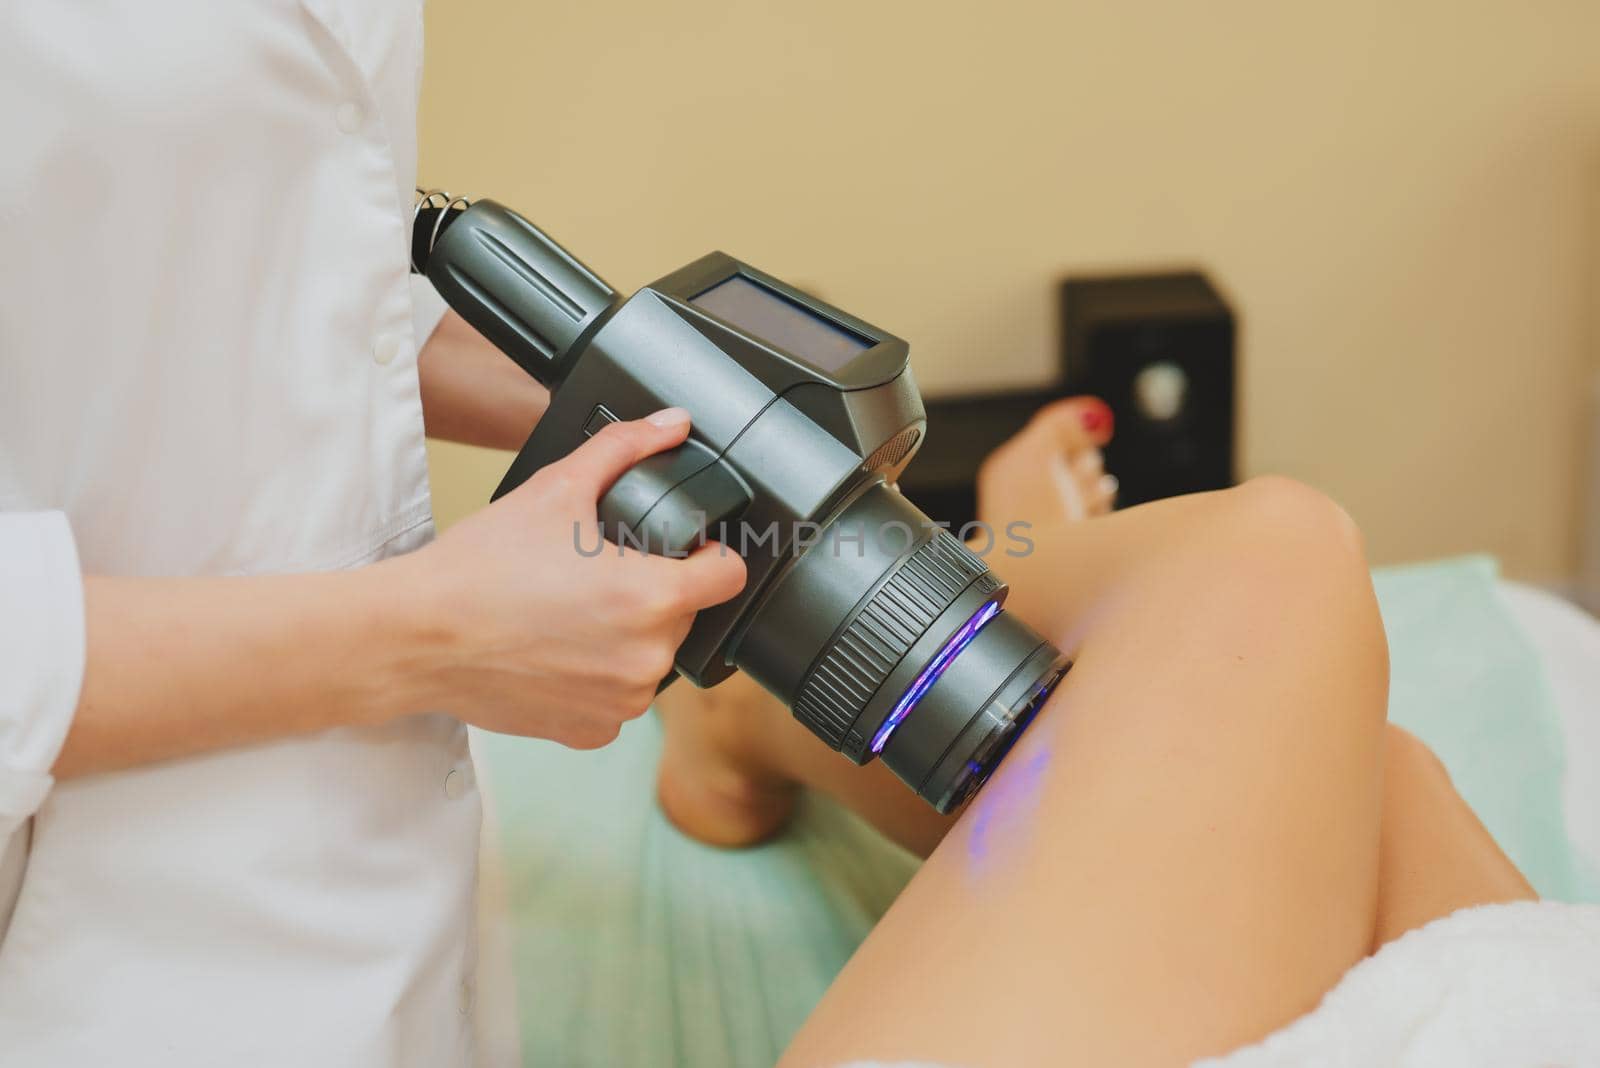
<point x="208" y="345"/>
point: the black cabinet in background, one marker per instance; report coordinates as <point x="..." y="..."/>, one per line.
<point x="1158" y="348"/>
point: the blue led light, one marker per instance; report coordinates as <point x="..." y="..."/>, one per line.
<point x="930" y="674"/>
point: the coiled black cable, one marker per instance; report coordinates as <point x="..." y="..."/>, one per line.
<point x="431" y="216"/>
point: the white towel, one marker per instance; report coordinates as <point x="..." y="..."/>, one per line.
<point x="1501" y="986"/>
<point x="1512" y="986"/>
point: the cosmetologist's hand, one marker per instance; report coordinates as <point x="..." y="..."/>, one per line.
<point x="529" y="635"/>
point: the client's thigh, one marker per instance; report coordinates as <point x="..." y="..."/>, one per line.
<point x="1181" y="854"/>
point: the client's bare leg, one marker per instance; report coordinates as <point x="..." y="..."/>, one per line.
<point x="1182" y="852"/>
<point x="1434" y="855"/>
<point x="1185" y="851"/>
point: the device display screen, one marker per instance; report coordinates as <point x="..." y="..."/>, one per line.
<point x="754" y="308"/>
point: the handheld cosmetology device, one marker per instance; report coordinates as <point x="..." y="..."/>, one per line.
<point x="880" y="630"/>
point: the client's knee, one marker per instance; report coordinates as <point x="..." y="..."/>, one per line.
<point x="1294" y="514"/>
<point x="1300" y="536"/>
<point x="1296" y="546"/>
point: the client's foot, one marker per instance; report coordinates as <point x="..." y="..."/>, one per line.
<point x="1052" y="469"/>
<point x="713" y="783"/>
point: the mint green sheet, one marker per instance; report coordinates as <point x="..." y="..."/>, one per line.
<point x="1464" y="678"/>
<point x="635" y="947"/>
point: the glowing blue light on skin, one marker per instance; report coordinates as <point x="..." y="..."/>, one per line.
<point x="930" y="674"/>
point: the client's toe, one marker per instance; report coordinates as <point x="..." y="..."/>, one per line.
<point x="1063" y="441"/>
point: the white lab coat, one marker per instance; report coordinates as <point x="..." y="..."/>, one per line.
<point x="208" y="366"/>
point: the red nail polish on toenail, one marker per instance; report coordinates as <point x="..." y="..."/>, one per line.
<point x="1097" y="418"/>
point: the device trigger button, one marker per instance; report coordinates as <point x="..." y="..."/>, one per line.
<point x="598" y="420"/>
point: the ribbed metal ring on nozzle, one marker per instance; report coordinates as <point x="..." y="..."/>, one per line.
<point x="860" y="659"/>
<point x="844" y="624"/>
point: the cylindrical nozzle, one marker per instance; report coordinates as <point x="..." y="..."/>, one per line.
<point x="887" y="637"/>
<point x="988" y="692"/>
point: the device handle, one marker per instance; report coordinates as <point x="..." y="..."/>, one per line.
<point x="670" y="503"/>
<point x="667" y="504"/>
<point x="511" y="281"/>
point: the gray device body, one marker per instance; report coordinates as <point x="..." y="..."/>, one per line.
<point x="881" y="631"/>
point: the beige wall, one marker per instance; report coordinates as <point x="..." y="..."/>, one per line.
<point x="1401" y="198"/>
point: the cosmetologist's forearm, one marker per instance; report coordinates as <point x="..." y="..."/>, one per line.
<point x="472" y="393"/>
<point x="178" y="666"/>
